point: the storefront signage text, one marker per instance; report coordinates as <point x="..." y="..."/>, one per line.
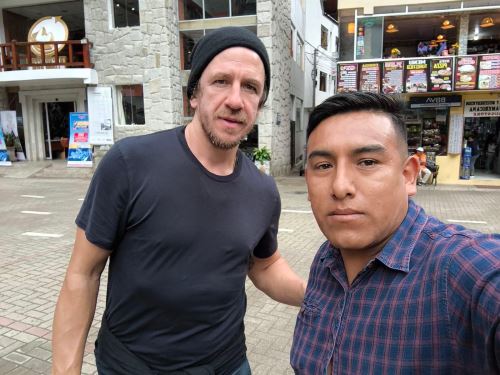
<point x="482" y="108"/>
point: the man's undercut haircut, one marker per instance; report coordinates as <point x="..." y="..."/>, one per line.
<point x="391" y="105"/>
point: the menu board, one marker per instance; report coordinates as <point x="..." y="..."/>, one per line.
<point x="393" y="77"/>
<point x="441" y="73"/>
<point x="348" y="78"/>
<point x="489" y="72"/>
<point x="466" y="73"/>
<point x="369" y="79"/>
<point x="416" y="75"/>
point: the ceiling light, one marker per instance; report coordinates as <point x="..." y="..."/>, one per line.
<point x="440" y="38"/>
<point x="350" y="28"/>
<point x="447" y="25"/>
<point x="391" y="28"/>
<point x="487" y="22"/>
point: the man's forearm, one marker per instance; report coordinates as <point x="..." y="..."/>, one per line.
<point x="73" y="316"/>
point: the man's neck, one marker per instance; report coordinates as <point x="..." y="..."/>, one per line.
<point x="216" y="160"/>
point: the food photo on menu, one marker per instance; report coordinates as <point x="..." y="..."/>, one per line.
<point x="441" y="75"/>
<point x="466" y="71"/>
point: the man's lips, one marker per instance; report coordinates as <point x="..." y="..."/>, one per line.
<point x="343" y="211"/>
<point x="344" y="215"/>
<point x="232" y="120"/>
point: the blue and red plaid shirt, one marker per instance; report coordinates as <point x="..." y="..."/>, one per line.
<point x="429" y="303"/>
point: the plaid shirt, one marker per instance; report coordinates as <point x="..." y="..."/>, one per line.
<point x="429" y="303"/>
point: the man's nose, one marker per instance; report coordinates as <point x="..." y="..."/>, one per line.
<point x="234" y="99"/>
<point x="342" y="184"/>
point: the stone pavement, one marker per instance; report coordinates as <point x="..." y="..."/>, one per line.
<point x="32" y="266"/>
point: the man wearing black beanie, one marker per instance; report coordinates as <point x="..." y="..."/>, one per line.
<point x="184" y="217"/>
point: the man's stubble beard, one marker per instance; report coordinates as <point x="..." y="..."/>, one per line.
<point x="218" y="142"/>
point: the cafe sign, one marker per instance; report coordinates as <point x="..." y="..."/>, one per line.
<point x="482" y="108"/>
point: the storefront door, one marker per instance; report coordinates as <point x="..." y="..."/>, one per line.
<point x="55" y="118"/>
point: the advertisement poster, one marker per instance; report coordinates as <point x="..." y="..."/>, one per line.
<point x="8" y="121"/>
<point x="489" y="72"/>
<point x="79" y="150"/>
<point x="441" y="75"/>
<point x="393" y="77"/>
<point x="4" y="154"/>
<point x="369" y="77"/>
<point x="100" y="115"/>
<point x="348" y="78"/>
<point x="466" y="73"/>
<point x="416" y="75"/>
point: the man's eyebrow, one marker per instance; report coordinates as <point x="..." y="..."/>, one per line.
<point x="376" y="148"/>
<point x="320" y="153"/>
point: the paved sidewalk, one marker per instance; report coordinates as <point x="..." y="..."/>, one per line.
<point x="32" y="267"/>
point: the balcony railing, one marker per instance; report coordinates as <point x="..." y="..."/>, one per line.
<point x="21" y="55"/>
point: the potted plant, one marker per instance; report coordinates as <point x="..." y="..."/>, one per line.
<point x="10" y="143"/>
<point x="262" y="158"/>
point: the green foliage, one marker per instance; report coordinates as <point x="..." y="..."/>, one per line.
<point x="10" y="139"/>
<point x="261" y="154"/>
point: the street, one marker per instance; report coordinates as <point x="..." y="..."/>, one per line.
<point x="37" y="232"/>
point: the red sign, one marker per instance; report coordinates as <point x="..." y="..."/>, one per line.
<point x="369" y="79"/>
<point x="348" y="78"/>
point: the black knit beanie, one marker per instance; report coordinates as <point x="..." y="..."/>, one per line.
<point x="217" y="41"/>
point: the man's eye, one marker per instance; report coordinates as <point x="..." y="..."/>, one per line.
<point x="368" y="163"/>
<point x="220" y="81"/>
<point x="323" y="166"/>
<point x="250" y="87"/>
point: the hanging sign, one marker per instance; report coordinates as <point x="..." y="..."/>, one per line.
<point x="466" y="73"/>
<point x="347" y="78"/>
<point x="489" y="72"/>
<point x="441" y="74"/>
<point x="100" y="115"/>
<point x="392" y="82"/>
<point x="369" y="79"/>
<point x="482" y="108"/>
<point x="79" y="150"/>
<point x="416" y="75"/>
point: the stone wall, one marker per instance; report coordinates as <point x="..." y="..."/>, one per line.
<point x="147" y="54"/>
<point x="273" y="27"/>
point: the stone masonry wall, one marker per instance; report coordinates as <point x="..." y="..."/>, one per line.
<point x="147" y="54"/>
<point x="273" y="27"/>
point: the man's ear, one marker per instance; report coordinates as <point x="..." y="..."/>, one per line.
<point x="410" y="172"/>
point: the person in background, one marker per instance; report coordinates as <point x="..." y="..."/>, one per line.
<point x="424" y="172"/>
<point x="475" y="153"/>
<point x="183" y="217"/>
<point x="392" y="290"/>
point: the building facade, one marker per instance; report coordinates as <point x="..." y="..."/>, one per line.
<point x="443" y="57"/>
<point x="140" y="50"/>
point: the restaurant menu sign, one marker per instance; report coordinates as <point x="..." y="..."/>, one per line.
<point x="416" y="75"/>
<point x="369" y="80"/>
<point x="348" y="78"/>
<point x="441" y="75"/>
<point x="393" y="77"/>
<point x="489" y="72"/>
<point x="466" y="73"/>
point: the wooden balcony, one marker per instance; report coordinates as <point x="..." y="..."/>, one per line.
<point x="21" y="55"/>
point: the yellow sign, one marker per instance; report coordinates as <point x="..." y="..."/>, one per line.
<point x="48" y="29"/>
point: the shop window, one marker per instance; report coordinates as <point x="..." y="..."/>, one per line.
<point x="243" y="7"/>
<point x="131" y="110"/>
<point x="126" y="13"/>
<point x="484" y="34"/>
<point x="324" y="37"/>
<point x="322" y="81"/>
<point x="428" y="128"/>
<point x="369" y="38"/>
<point x="187" y="41"/>
<point x="346" y="35"/>
<point x="190" y="10"/>
<point x="216" y="8"/>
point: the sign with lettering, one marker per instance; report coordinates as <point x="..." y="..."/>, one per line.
<point x="392" y="81"/>
<point x="489" y="72"/>
<point x="347" y="78"/>
<point x="435" y="101"/>
<point x="416" y="75"/>
<point x="482" y="108"/>
<point x="441" y="74"/>
<point x="466" y="73"/>
<point x="455" y="134"/>
<point x="369" y="79"/>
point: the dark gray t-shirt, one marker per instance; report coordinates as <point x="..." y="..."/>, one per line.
<point x="181" y="238"/>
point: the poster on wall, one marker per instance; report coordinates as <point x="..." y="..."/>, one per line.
<point x="455" y="134"/>
<point x="348" y="78"/>
<point x="4" y="154"/>
<point x="392" y="82"/>
<point x="489" y="72"/>
<point x="8" y="121"/>
<point x="466" y="73"/>
<point x="100" y="115"/>
<point x="369" y="77"/>
<point x="441" y="75"/>
<point x="416" y="75"/>
<point x="80" y="149"/>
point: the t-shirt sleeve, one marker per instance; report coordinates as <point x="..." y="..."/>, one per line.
<point x="268" y="244"/>
<point x="103" y="213"/>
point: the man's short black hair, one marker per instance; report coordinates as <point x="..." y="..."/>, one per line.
<point x="391" y="105"/>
